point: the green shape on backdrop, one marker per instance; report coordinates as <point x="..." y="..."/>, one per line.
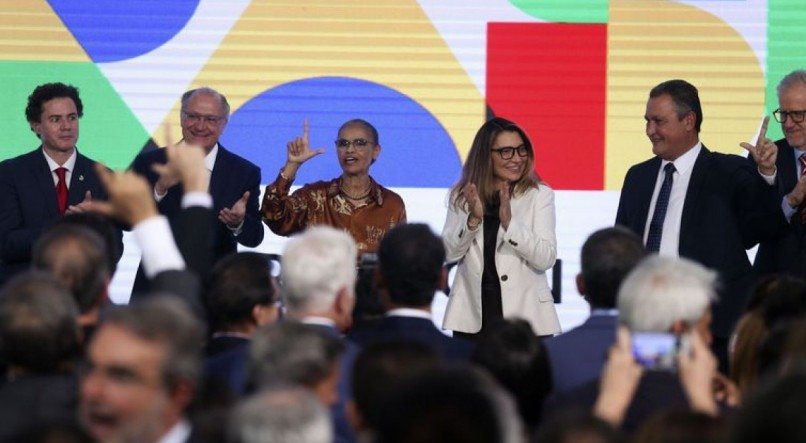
<point x="565" y="11"/>
<point x="786" y="49"/>
<point x="109" y="132"/>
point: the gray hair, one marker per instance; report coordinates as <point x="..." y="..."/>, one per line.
<point x="663" y="290"/>
<point x="794" y="78"/>
<point x="292" y="353"/>
<point x="316" y="265"/>
<point x="187" y="96"/>
<point x="280" y="415"/>
<point x="166" y="321"/>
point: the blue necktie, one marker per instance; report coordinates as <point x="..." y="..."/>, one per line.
<point x="656" y="225"/>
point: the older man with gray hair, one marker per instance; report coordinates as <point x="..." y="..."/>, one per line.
<point x="318" y="273"/>
<point x="661" y="296"/>
<point x="280" y="415"/>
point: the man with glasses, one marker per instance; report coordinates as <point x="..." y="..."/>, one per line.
<point x="234" y="181"/>
<point x="705" y="206"/>
<point x="787" y="253"/>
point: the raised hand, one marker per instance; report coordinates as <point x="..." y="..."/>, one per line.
<point x="233" y="216"/>
<point x="130" y="197"/>
<point x="299" y="151"/>
<point x="697" y="370"/>
<point x="620" y="377"/>
<point x="504" y="210"/>
<point x="185" y="164"/>
<point x="764" y="152"/>
<point x="798" y="193"/>
<point x="474" y="205"/>
<point x="81" y="207"/>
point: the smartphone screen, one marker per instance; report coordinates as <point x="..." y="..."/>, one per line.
<point x="655" y="350"/>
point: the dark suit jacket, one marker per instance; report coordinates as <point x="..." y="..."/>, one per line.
<point x="728" y="208"/>
<point x="33" y="400"/>
<point x="28" y="204"/>
<point x="416" y="329"/>
<point x="578" y="355"/>
<point x="787" y="252"/>
<point x="229" y="364"/>
<point x="231" y="177"/>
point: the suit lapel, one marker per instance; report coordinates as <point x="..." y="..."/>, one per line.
<point x="644" y="195"/>
<point x="692" y="202"/>
<point x="78" y="181"/>
<point x="217" y="179"/>
<point x="787" y="171"/>
<point x="44" y="181"/>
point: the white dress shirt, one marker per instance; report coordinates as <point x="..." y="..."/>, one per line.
<point x="70" y="164"/>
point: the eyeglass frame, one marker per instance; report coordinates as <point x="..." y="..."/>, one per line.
<point x="781" y="116"/>
<point x="357" y="143"/>
<point x="206" y="119"/>
<point x="512" y="150"/>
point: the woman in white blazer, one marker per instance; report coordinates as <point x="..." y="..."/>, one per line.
<point x="500" y="231"/>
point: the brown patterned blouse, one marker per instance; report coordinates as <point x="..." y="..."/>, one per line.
<point x="322" y="203"/>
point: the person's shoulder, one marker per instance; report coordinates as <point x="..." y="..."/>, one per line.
<point x="390" y="195"/>
<point x="23" y="158"/>
<point x="237" y="160"/>
<point x="157" y="154"/>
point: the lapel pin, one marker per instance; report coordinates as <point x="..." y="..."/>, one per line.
<point x="81" y="178"/>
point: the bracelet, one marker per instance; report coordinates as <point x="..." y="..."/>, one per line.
<point x="282" y="170"/>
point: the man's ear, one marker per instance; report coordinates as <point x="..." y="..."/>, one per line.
<point x="580" y="284"/>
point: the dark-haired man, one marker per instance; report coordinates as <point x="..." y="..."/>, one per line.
<point x="690" y="202"/>
<point x="410" y="270"/>
<point x="54" y="179"/>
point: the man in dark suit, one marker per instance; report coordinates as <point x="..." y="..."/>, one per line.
<point x="410" y="271"/>
<point x="38" y="187"/>
<point x="234" y="181"/>
<point x="577" y="356"/>
<point x="787" y="253"/>
<point x="690" y="202"/>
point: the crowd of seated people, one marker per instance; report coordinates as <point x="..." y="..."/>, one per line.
<point x="219" y="350"/>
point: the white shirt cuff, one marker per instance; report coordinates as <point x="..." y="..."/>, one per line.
<point x="159" y="248"/>
<point x="770" y="179"/>
<point x="202" y="199"/>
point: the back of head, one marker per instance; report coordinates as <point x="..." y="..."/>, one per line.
<point x="316" y="265"/>
<point x="168" y="322"/>
<point x="457" y="404"/>
<point x="411" y="259"/>
<point x="280" y="415"/>
<point x="608" y="255"/>
<point x="517" y="359"/>
<point x="101" y="225"/>
<point x="681" y="426"/>
<point x="38" y="328"/>
<point x="774" y="413"/>
<point x="661" y="291"/>
<point x="238" y="283"/>
<point x="382" y="366"/>
<point x="577" y="426"/>
<point x="292" y="353"/>
<point x="784" y="300"/>
<point x="77" y="257"/>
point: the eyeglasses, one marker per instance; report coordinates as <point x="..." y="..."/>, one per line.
<point x="507" y="152"/>
<point x="343" y="143"/>
<point x="207" y="119"/>
<point x="796" y="116"/>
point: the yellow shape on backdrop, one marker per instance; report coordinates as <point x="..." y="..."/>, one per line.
<point x="390" y="42"/>
<point x="650" y="42"/>
<point x="31" y="31"/>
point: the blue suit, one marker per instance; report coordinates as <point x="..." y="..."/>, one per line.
<point x="578" y="355"/>
<point x="420" y="330"/>
<point x="28" y="204"/>
<point x="231" y="177"/>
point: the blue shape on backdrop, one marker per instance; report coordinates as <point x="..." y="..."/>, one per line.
<point x="416" y="151"/>
<point x="118" y="30"/>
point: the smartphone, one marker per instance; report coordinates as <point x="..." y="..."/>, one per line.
<point x="657" y="350"/>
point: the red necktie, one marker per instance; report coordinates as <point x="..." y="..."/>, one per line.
<point x="61" y="190"/>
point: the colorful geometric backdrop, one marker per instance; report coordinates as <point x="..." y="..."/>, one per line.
<point x="575" y="73"/>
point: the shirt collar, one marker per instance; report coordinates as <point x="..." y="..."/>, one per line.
<point x="408" y="312"/>
<point x="179" y="433"/>
<point x="209" y="159"/>
<point x="70" y="164"/>
<point x="685" y="163"/>
<point x="316" y="320"/>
